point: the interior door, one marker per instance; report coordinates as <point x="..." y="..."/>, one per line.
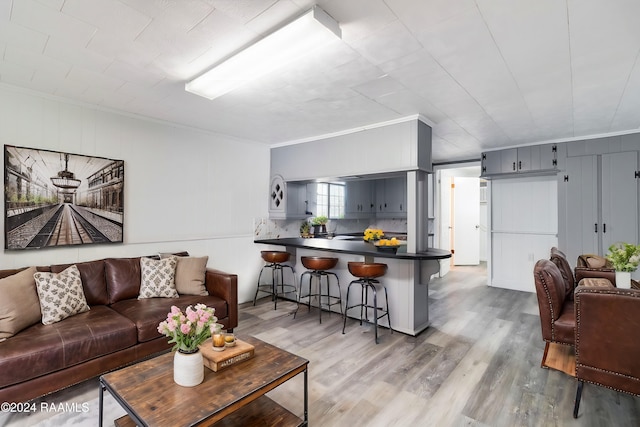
<point x="619" y="199"/>
<point x="466" y="220"/>
<point x="582" y="223"/>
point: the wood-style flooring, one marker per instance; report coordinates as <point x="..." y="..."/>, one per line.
<point x="478" y="364"/>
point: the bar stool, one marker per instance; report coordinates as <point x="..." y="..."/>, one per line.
<point x="367" y="274"/>
<point x="274" y="260"/>
<point x="317" y="268"/>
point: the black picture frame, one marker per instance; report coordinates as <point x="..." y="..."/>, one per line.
<point x="58" y="199"/>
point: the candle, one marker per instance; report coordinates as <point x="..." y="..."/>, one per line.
<point x="218" y="340"/>
<point x="229" y="339"/>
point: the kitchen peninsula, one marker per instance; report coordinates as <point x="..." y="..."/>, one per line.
<point x="406" y="280"/>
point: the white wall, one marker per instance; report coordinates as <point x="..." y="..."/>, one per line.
<point x="185" y="189"/>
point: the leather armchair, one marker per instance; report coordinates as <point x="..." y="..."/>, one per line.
<point x="606" y="345"/>
<point x="588" y="266"/>
<point x="594" y="266"/>
<point x="557" y="316"/>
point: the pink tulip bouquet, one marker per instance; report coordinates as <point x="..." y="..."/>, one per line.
<point x="189" y="329"/>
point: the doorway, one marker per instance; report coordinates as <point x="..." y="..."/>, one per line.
<point x="461" y="214"/>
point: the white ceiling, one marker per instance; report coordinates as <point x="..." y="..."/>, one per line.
<point x="485" y="73"/>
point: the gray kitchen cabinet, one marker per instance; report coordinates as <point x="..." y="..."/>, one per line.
<point x="601" y="202"/>
<point x="531" y="159"/>
<point x="288" y="199"/>
<point x="359" y="199"/>
<point x="297" y="200"/>
<point x="491" y="163"/>
<point x="391" y="197"/>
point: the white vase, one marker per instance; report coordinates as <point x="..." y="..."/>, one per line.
<point x="623" y="279"/>
<point x="188" y="368"/>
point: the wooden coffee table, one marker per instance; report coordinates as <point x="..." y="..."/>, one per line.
<point x="232" y="396"/>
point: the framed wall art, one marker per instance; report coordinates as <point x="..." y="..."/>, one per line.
<point x="56" y="199"/>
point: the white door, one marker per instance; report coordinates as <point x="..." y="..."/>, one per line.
<point x="466" y="220"/>
<point x="619" y="199"/>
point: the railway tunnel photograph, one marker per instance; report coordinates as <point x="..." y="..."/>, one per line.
<point x="61" y="199"/>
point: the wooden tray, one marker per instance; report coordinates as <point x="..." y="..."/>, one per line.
<point x="217" y="360"/>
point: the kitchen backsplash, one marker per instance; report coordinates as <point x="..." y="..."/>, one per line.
<point x="265" y="228"/>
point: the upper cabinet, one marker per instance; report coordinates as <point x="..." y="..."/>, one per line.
<point x="288" y="199"/>
<point x="359" y="199"/>
<point x="531" y="159"/>
<point x="391" y="198"/>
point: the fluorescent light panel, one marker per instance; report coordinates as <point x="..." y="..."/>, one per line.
<point x="312" y="30"/>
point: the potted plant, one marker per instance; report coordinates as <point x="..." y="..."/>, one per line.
<point x="305" y="229"/>
<point x="319" y="225"/>
<point x="187" y="331"/>
<point x="625" y="258"/>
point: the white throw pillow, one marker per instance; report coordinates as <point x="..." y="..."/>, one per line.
<point x="158" y="278"/>
<point x="60" y="294"/>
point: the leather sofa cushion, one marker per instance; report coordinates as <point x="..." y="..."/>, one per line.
<point x="42" y="349"/>
<point x="93" y="280"/>
<point x="123" y="278"/>
<point x="149" y="312"/>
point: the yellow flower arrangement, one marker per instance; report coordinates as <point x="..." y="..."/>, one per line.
<point x="372" y="234"/>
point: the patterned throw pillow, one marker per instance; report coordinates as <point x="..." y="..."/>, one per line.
<point x="158" y="278"/>
<point x="60" y="294"/>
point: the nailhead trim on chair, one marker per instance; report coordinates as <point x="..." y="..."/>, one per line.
<point x="609" y="291"/>
<point x="548" y="294"/>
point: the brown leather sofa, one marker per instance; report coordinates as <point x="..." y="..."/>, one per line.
<point x="119" y="329"/>
<point x="607" y="348"/>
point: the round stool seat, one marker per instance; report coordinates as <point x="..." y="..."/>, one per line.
<point x="367" y="271"/>
<point x="275" y="256"/>
<point x="318" y="263"/>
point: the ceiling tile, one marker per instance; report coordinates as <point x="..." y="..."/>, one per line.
<point x="38" y="17"/>
<point x="381" y="86"/>
<point x="488" y="74"/>
<point x="111" y="17"/>
<point x="390" y="42"/>
<point x="359" y="18"/>
<point x="22" y="37"/>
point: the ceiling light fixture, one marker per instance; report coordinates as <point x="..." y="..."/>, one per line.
<point x="310" y="31"/>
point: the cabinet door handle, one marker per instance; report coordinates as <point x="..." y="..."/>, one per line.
<point x="595" y="227"/>
<point x="519" y="165"/>
<point x="401" y="207"/>
<point x="604" y="228"/>
<point x="514" y="165"/>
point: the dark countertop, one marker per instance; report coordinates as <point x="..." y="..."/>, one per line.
<point x="354" y="246"/>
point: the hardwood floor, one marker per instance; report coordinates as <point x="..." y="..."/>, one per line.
<point x="478" y="364"/>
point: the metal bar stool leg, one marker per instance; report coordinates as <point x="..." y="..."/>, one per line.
<point x="274" y="286"/>
<point x="300" y="296"/>
<point x="364" y="297"/>
<point x="346" y="308"/>
<point x="386" y="298"/>
<point x="258" y="287"/>
<point x="339" y="297"/>
<point x="295" y="284"/>
<point x="375" y="309"/>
